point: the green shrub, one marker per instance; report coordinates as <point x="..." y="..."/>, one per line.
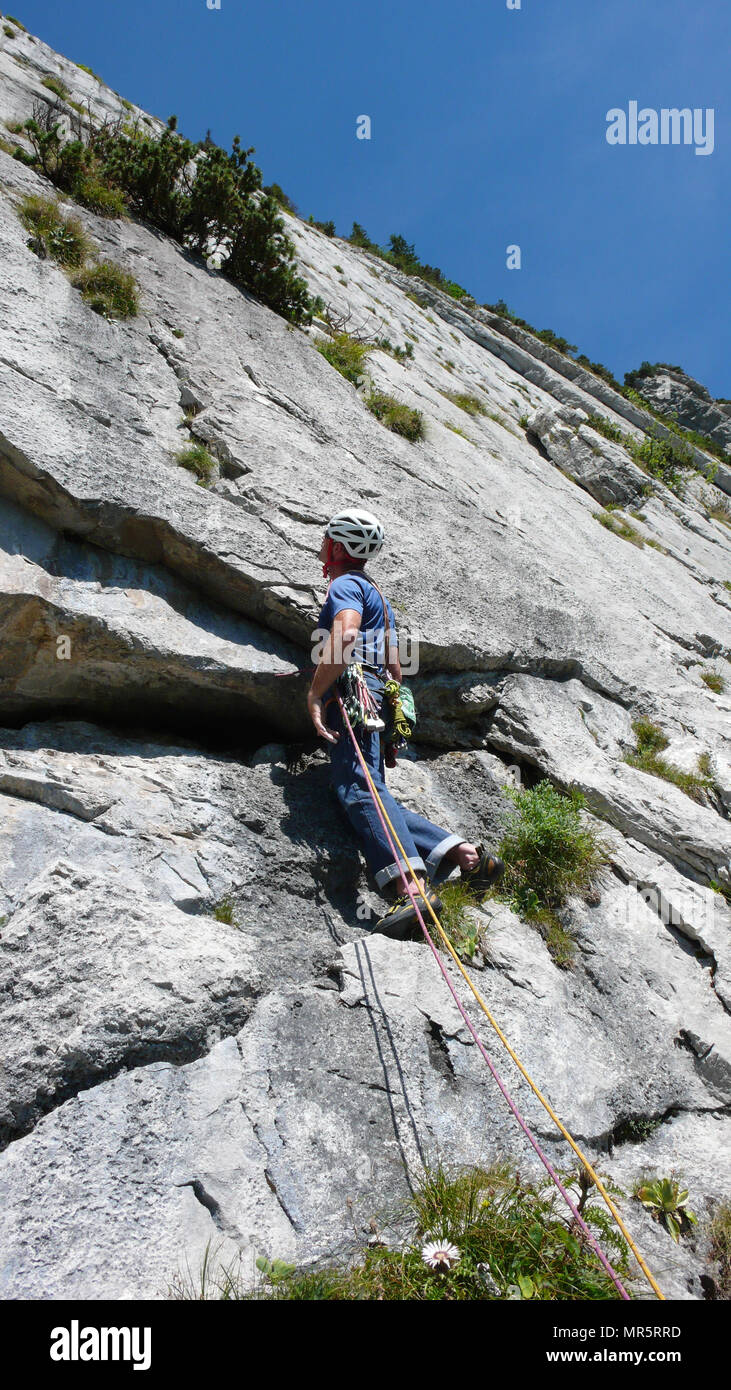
<point x="178" y="333"/>
<point x="666" y="459"/>
<point x="327" y="227"/>
<point x="197" y="459"/>
<point x="346" y="355"/>
<point x="714" y="680"/>
<point x="108" y="290"/>
<point x="647" y="758"/>
<point x="54" y="84"/>
<point x="396" y="416"/>
<point x="100" y="197"/>
<point x="11" y="18"/>
<point x="10" y="33"/>
<point x="471" y="404"/>
<point x="606" y="427"/>
<point x="60" y="237"/>
<point x="90" y="71"/>
<point x="196" y="193"/>
<point x="547" y="850"/>
<point x="619" y="527"/>
<point x="278" y="194"/>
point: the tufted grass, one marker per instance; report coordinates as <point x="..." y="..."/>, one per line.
<point x="515" y="1240"/>
<point x="108" y="290"/>
<point x="61" y="238"/>
<point x="198" y="460"/>
<point x="346" y="355"/>
<point x="719" y="1230"/>
<point x="55" y="85"/>
<point x="471" y="404"/>
<point x="619" y="527"/>
<point x="647" y="757"/>
<point x="396" y="416"/>
<point x="714" y="680"/>
<point x="465" y="935"/>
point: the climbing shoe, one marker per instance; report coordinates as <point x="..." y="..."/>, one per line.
<point x="401" y="922"/>
<point x="489" y="871"/>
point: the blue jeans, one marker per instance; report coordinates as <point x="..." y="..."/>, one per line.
<point x="425" y="845"/>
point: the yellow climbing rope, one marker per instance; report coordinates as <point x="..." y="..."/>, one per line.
<point x="546" y="1105"/>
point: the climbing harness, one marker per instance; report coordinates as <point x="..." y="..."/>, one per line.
<point x="400" y="858"/>
<point x="358" y="700"/>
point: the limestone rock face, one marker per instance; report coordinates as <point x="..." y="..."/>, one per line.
<point x="203" y="1043"/>
<point x="676" y="393"/>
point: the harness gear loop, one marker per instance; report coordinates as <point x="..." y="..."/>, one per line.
<point x="383" y="814"/>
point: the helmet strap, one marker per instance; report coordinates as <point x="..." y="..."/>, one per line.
<point x="329" y="559"/>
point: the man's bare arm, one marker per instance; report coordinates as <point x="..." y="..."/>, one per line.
<point x="332" y="663"/>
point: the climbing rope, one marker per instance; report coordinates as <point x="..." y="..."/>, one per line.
<point x="391" y="837"/>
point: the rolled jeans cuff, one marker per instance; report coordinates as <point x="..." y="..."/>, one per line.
<point x="393" y="871"/>
<point x="437" y="854"/>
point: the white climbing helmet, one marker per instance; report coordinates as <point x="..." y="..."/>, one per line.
<point x="360" y="532"/>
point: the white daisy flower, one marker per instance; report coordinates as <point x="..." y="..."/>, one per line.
<point x="439" y="1254"/>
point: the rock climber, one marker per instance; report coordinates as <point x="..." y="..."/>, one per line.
<point x="360" y="625"/>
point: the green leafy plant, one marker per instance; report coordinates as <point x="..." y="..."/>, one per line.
<point x="16" y="22"/>
<point x="10" y="33"/>
<point x="197" y="459"/>
<point x="108" y="290"/>
<point x="178" y="333"/>
<point x="396" y="416"/>
<point x="651" y="741"/>
<point x="724" y="889"/>
<point x="90" y="71"/>
<point x="53" y="234"/>
<point x="547" y="849"/>
<point x="665" y="1200"/>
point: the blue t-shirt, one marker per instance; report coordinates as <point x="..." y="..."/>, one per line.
<point x="355" y="590"/>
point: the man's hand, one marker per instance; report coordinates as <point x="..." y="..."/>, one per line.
<point x="314" y="705"/>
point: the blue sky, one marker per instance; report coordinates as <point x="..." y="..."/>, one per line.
<point x="488" y="129"/>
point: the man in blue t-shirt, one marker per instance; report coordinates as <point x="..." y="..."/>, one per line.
<point x="353" y="617"/>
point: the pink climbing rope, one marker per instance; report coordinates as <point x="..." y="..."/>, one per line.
<point x="480" y="1045"/>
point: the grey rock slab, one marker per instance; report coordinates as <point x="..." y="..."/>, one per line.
<point x="598" y="465"/>
<point x="120" y="1192"/>
<point x="83" y="629"/>
<point x="95" y="980"/>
